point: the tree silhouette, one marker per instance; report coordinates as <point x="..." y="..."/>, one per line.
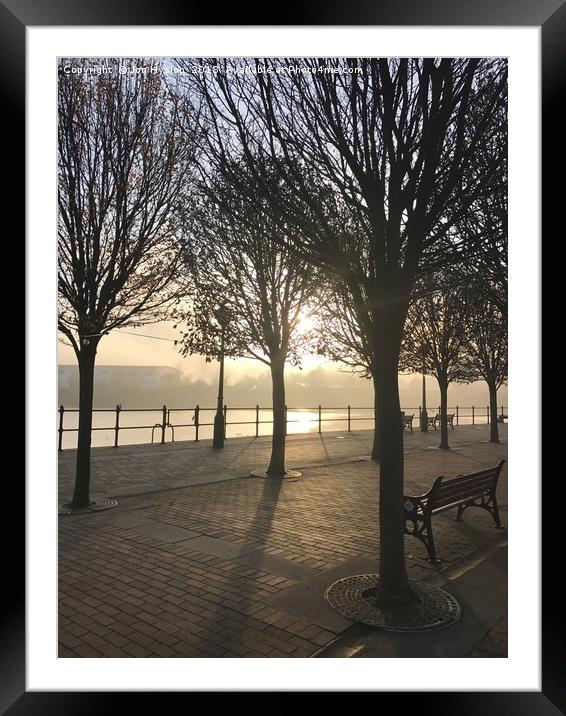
<point x="237" y="256"/>
<point x="487" y="347"/>
<point x="487" y="218"/>
<point x="436" y="337"/>
<point x="341" y="338"/>
<point x="121" y="170"/>
<point x="391" y="140"/>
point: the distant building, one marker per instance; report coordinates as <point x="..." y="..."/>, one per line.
<point x="132" y="385"/>
<point x="145" y="376"/>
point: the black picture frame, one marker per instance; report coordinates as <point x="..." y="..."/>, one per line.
<point x="15" y="17"/>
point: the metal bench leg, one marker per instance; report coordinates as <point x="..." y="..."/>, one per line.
<point x="460" y="512"/>
<point x="422" y="530"/>
<point x="495" y="512"/>
<point x="430" y="544"/>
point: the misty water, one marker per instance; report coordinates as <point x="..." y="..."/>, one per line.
<point x="136" y="425"/>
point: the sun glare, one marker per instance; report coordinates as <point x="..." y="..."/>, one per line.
<point x="306" y="323"/>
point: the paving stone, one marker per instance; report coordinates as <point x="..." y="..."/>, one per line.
<point x="494" y="643"/>
<point x="217" y="547"/>
<point x="306" y="599"/>
<point x="239" y="567"/>
<point x="277" y="565"/>
<point x="167" y="533"/>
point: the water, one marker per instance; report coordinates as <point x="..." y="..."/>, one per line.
<point x="136" y="426"/>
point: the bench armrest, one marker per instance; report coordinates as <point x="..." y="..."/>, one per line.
<point x="413" y="507"/>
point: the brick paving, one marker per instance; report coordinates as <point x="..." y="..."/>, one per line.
<point x="135" y="469"/>
<point x="237" y="567"/>
<point x="494" y="643"/>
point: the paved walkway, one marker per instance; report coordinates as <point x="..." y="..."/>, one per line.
<point x="494" y="644"/>
<point x="137" y="469"/>
<point x="200" y="561"/>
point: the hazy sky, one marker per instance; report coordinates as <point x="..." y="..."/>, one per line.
<point x="123" y="348"/>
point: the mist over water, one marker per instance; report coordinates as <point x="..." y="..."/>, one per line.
<point x="154" y="386"/>
<point x="141" y="388"/>
<point x="240" y="423"/>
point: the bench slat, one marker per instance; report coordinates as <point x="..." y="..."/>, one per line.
<point x="452" y="505"/>
<point x="483" y="482"/>
<point x="452" y="497"/>
<point x="470" y="476"/>
<point x="467" y="480"/>
<point x="457" y="499"/>
<point x="459" y="488"/>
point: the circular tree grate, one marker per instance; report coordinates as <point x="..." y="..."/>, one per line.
<point x="289" y="474"/>
<point x="94" y="506"/>
<point x="352" y="597"/>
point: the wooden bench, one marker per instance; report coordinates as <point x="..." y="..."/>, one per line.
<point x="476" y="489"/>
<point x="407" y="421"/>
<point x="436" y="420"/>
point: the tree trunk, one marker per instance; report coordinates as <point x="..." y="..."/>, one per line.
<point x="393" y="587"/>
<point x="494" y="430"/>
<point x="375" y="451"/>
<point x="277" y="462"/>
<point x="86" y="360"/>
<point x="443" y="385"/>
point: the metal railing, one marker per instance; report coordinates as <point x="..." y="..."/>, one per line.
<point x="471" y="415"/>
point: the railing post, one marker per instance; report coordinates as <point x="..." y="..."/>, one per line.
<point x="473" y="415"/>
<point x="487" y="414"/>
<point x="349" y="419"/>
<point x="319" y="419"/>
<point x="61" y="414"/>
<point x="457" y="416"/>
<point x="502" y="413"/>
<point x="225" y="421"/>
<point x="257" y="421"/>
<point x="420" y="416"/>
<point x="117" y="425"/>
<point x="163" y="423"/>
<point x="196" y="419"/>
<point x="285" y="420"/>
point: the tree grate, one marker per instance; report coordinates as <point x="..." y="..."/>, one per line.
<point x="288" y="474"/>
<point x="352" y="598"/>
<point x="94" y="506"/>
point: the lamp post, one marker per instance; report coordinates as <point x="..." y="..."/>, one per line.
<point x="424" y="414"/>
<point x="223" y="317"/>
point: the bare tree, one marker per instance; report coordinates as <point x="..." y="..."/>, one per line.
<point x="394" y="140"/>
<point x="436" y="337"/>
<point x="487" y="218"/>
<point x="238" y="257"/>
<point x="487" y="347"/>
<point x="341" y="338"/>
<point x="121" y="169"/>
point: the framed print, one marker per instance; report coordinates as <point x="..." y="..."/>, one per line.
<point x="258" y="572"/>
